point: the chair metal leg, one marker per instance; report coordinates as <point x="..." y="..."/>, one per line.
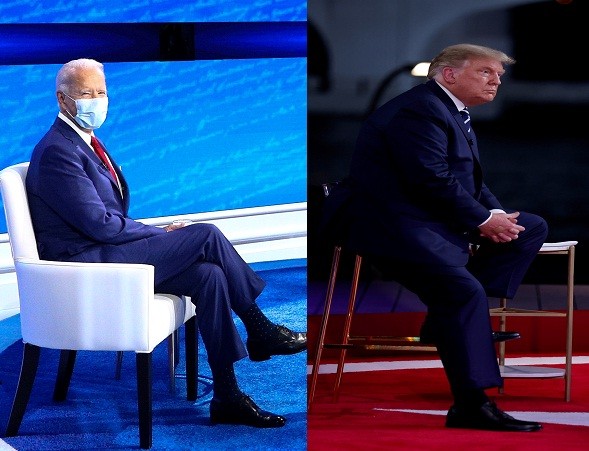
<point x="172" y="345"/>
<point x="173" y="360"/>
<point x="569" y="316"/>
<point x="28" y="371"/>
<point x="502" y="328"/>
<point x="67" y="359"/>
<point x="347" y="325"/>
<point x="323" y="327"/>
<point x="118" y="365"/>
<point x="191" y="345"/>
<point x="177" y="348"/>
<point x="570" y="307"/>
<point x="346" y="342"/>
<point x="539" y="297"/>
<point x="144" y="398"/>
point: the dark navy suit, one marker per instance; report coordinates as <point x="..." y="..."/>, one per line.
<point x="79" y="214"/>
<point x="418" y="196"/>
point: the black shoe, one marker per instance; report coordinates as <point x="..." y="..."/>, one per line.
<point x="504" y="336"/>
<point x="243" y="411"/>
<point x="488" y="417"/>
<point x="285" y="342"/>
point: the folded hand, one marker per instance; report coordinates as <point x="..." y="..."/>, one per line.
<point x="502" y="227"/>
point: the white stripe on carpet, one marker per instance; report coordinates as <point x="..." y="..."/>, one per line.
<point x="568" y="418"/>
<point x="358" y="367"/>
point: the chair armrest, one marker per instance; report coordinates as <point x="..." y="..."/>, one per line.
<point x="93" y="306"/>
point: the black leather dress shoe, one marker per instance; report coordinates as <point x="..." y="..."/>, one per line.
<point x="244" y="411"/>
<point x="504" y="336"/>
<point x="285" y="342"/>
<point x="488" y="417"/>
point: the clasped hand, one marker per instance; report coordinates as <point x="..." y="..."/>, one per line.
<point x="502" y="227"/>
<point x="177" y="225"/>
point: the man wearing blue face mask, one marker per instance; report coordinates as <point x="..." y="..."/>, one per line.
<point x="90" y="112"/>
<point x="79" y="202"/>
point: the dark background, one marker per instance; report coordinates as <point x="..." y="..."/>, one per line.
<point x="533" y="139"/>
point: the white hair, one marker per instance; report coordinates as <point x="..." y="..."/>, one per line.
<point x="66" y="75"/>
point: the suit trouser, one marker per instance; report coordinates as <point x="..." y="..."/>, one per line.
<point x="458" y="310"/>
<point x="198" y="261"/>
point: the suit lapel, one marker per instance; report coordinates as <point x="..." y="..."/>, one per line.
<point x="470" y="137"/>
<point x="447" y="101"/>
<point x="124" y="192"/>
<point x="71" y="135"/>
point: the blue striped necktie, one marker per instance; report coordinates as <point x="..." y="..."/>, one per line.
<point x="466" y="117"/>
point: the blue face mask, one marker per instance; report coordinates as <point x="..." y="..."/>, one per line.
<point x="91" y="113"/>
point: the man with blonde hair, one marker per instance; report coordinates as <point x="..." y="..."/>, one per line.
<point x="421" y="209"/>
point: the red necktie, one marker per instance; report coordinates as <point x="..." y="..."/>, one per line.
<point x="102" y="155"/>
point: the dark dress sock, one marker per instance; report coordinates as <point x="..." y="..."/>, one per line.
<point x="225" y="387"/>
<point x="257" y="324"/>
<point x="470" y="399"/>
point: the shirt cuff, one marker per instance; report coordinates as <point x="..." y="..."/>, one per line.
<point x="494" y="210"/>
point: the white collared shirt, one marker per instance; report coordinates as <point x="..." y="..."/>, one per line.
<point x="85" y="136"/>
<point x="459" y="104"/>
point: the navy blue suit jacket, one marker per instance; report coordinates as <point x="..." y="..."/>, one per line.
<point x="77" y="209"/>
<point x="417" y="182"/>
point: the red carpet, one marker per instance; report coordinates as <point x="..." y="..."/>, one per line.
<point x="539" y="335"/>
<point x="404" y="409"/>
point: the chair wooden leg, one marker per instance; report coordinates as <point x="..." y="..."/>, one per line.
<point x="323" y="327"/>
<point x="144" y="398"/>
<point x="191" y="345"/>
<point x="118" y="365"/>
<point x="67" y="359"/>
<point x="28" y="371"/>
<point x="347" y="325"/>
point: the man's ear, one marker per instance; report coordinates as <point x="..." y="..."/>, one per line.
<point x="448" y="73"/>
<point x="60" y="98"/>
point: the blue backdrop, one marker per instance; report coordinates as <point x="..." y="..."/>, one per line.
<point x="39" y="11"/>
<point x="223" y="130"/>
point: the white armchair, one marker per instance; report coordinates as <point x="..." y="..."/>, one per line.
<point x="87" y="306"/>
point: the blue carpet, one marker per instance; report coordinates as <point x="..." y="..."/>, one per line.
<point x="101" y="412"/>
